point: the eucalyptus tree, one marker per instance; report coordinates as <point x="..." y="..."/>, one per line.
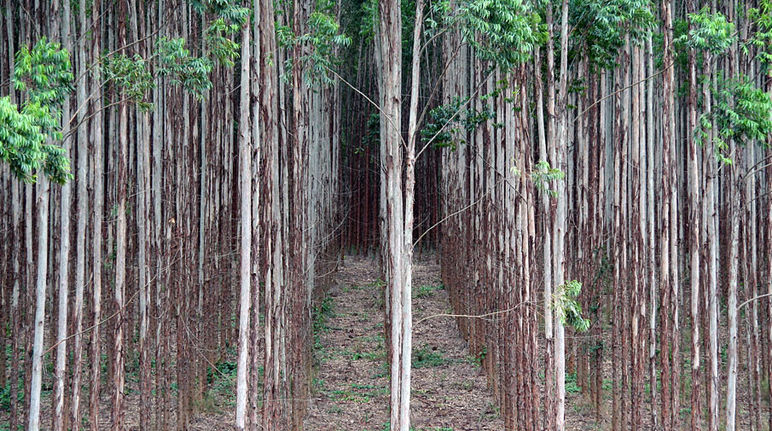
<point x="245" y="273"/>
<point x="60" y="416"/>
<point x="27" y="153"/>
<point x="97" y="219"/>
<point x="82" y="210"/>
<point x="45" y="89"/>
<point x="390" y="41"/>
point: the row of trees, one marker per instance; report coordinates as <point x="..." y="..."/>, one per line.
<point x="198" y="187"/>
<point x="604" y="169"/>
<point x="630" y="158"/>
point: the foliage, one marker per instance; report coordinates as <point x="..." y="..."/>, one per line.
<point x="569" y="312"/>
<point x="373" y="134"/>
<point x="368" y="20"/>
<point x="448" y="120"/>
<point x="709" y="32"/>
<point x="131" y="75"/>
<point x="318" y="53"/>
<point x="740" y="113"/>
<point x="543" y="174"/>
<point x="229" y="19"/>
<point x="427" y="290"/>
<point x="360" y="393"/>
<point x="426" y="357"/>
<point x="221" y="382"/>
<point x="571" y="385"/>
<point x="504" y="32"/>
<point x="217" y="39"/>
<point x="5" y="397"/>
<point x="227" y="10"/>
<point x="173" y="60"/>
<point x="322" y="312"/>
<point x="182" y="68"/>
<point x="602" y="26"/>
<point x="43" y="74"/>
<point x="761" y="19"/>
<point x="23" y="142"/>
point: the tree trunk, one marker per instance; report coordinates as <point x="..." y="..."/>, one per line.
<point x="98" y="175"/>
<point x="119" y="380"/>
<point x="694" y="236"/>
<point x="59" y="419"/>
<point x="407" y="242"/>
<point x="390" y="87"/>
<point x="559" y="231"/>
<point x="245" y="181"/>
<point x="81" y="177"/>
<point x="40" y="304"/>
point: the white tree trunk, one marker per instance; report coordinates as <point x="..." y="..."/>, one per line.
<point x="40" y="302"/>
<point x="81" y="177"/>
<point x="560" y="218"/>
<point x="734" y="222"/>
<point x="245" y="180"/>
<point x="64" y="253"/>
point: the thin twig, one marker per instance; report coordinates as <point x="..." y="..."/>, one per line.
<point x="388" y="118"/>
<point x="473" y="316"/>
<point x="117" y="312"/>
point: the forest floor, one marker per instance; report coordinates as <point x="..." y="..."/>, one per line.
<point x="351" y="388"/>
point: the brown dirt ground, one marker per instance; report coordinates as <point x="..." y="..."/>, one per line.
<point x="351" y="387"/>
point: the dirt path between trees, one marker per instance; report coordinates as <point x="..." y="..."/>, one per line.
<point x="351" y="389"/>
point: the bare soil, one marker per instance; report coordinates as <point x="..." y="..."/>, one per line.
<point x="351" y="389"/>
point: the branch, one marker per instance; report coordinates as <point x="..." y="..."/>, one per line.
<point x="753" y="299"/>
<point x="473" y="316"/>
<point x="105" y="320"/>
<point x="471" y="97"/>
<point x="388" y="118"/>
<point x="451" y="215"/>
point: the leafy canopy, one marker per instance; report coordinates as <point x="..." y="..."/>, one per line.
<point x="322" y="39"/>
<point x="503" y="32"/>
<point x="184" y="69"/>
<point x="761" y="18"/>
<point x="740" y="113"/>
<point x="129" y="74"/>
<point x="709" y="32"/>
<point x="543" y="174"/>
<point x="602" y="27"/>
<point x="43" y="75"/>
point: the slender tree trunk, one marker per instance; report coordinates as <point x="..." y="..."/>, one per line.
<point x="549" y="219"/>
<point x="391" y="68"/>
<point x="559" y="233"/>
<point x="407" y="247"/>
<point x="712" y="236"/>
<point x="15" y="306"/>
<point x="245" y="181"/>
<point x="119" y="381"/>
<point x="98" y="174"/>
<point x="81" y="177"/>
<point x="40" y="304"/>
<point x="60" y="417"/>
<point x="258" y="169"/>
<point x="694" y="236"/>
<point x="733" y="281"/>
